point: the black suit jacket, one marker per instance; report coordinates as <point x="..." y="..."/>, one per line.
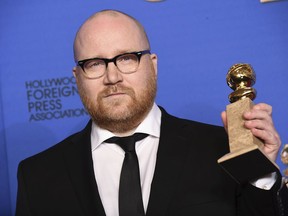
<point x="187" y="178"/>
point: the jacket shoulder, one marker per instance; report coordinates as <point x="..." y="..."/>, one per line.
<point x="191" y="124"/>
<point x="60" y="147"/>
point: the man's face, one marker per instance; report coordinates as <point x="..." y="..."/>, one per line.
<point x="116" y="101"/>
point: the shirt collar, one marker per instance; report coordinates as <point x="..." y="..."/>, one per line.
<point x="150" y="125"/>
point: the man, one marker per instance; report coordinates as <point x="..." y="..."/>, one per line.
<point x="116" y="77"/>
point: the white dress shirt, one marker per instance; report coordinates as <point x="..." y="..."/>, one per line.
<point x="108" y="159"/>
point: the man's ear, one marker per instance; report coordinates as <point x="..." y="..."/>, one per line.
<point x="74" y="71"/>
<point x="154" y="59"/>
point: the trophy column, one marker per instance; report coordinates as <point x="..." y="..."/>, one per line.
<point x="245" y="161"/>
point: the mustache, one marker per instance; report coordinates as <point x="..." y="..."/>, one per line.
<point x="117" y="88"/>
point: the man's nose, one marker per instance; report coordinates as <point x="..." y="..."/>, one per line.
<point x="112" y="75"/>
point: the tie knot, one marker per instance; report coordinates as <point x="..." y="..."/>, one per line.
<point x="127" y="143"/>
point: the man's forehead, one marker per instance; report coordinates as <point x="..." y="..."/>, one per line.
<point x="106" y="25"/>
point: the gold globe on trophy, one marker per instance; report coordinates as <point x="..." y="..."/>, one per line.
<point x="241" y="78"/>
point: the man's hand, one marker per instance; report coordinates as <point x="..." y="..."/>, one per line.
<point x="259" y="121"/>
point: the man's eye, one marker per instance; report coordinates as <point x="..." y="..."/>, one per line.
<point x="94" y="64"/>
<point x="127" y="58"/>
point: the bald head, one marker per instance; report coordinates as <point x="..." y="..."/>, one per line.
<point x="103" y="28"/>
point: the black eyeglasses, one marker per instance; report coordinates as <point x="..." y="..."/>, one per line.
<point x="94" y="68"/>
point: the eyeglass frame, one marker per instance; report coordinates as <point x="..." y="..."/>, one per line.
<point x="138" y="54"/>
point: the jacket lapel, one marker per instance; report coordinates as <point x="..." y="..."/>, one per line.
<point x="79" y="162"/>
<point x="171" y="155"/>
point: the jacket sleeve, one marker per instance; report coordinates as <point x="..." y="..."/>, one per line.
<point x="22" y="204"/>
<point x="254" y="201"/>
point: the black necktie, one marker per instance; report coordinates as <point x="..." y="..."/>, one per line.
<point x="130" y="194"/>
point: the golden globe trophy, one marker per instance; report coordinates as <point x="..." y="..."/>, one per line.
<point x="245" y="161"/>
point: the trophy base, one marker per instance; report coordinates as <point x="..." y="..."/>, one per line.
<point x="247" y="164"/>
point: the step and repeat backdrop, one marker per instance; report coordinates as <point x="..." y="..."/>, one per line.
<point x="196" y="41"/>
